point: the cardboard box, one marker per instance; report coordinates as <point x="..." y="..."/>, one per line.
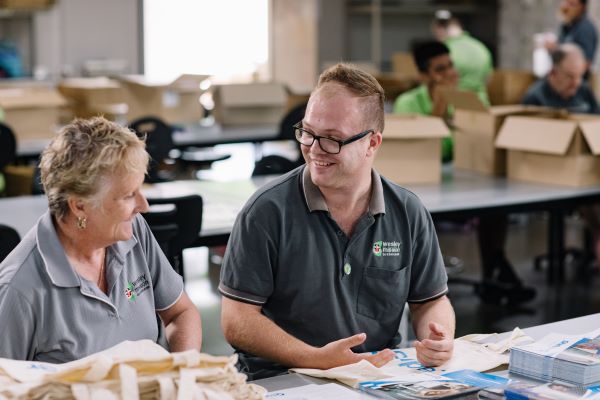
<point x="250" y="103"/>
<point x="394" y="84"/>
<point x="564" y="151"/>
<point x="19" y="180"/>
<point x="508" y="86"/>
<point x="32" y="113"/>
<point x="94" y="96"/>
<point x="403" y="64"/>
<point x="476" y="127"/>
<point x="25" y="4"/>
<point x="174" y="102"/>
<point x="411" y="151"/>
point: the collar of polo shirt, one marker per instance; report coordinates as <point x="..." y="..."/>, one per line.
<point x="57" y="266"/>
<point x="316" y="202"/>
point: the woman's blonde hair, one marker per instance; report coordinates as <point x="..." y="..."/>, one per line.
<point x="85" y="152"/>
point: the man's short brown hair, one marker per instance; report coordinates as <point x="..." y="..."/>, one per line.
<point x="362" y="85"/>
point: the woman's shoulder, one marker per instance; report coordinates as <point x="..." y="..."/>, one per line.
<point x="23" y="263"/>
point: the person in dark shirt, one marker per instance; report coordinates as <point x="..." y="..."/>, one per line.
<point x="564" y="86"/>
<point x="578" y="28"/>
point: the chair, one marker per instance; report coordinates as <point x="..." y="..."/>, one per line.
<point x="276" y="164"/>
<point x="176" y="227"/>
<point x="8" y="146"/>
<point x="160" y="146"/>
<point x="9" y="239"/>
<point x="159" y="142"/>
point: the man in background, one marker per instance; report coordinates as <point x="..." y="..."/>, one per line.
<point x="437" y="74"/>
<point x="471" y="58"/>
<point x="564" y="86"/>
<point x="500" y="283"/>
<point x="576" y="28"/>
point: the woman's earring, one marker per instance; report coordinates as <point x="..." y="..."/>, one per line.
<point x="81" y="222"/>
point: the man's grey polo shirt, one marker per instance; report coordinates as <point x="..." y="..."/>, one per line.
<point x="50" y="313"/>
<point x="289" y="256"/>
<point x="542" y="94"/>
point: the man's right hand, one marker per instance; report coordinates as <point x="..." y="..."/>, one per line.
<point x="340" y="353"/>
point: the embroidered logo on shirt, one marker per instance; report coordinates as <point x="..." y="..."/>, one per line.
<point x="383" y="249"/>
<point x="377" y="248"/>
<point x="137" y="287"/>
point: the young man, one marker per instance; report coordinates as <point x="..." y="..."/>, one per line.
<point x="322" y="261"/>
<point x="471" y="58"/>
<point x="500" y="283"/>
<point x="564" y="86"/>
<point x="437" y="74"/>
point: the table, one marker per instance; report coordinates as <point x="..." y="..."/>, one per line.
<point x="568" y="327"/>
<point x="460" y="193"/>
<point x="187" y="135"/>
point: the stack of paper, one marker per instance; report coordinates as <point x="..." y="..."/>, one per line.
<point x="570" y="358"/>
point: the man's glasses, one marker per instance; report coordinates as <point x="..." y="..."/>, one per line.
<point x="328" y="145"/>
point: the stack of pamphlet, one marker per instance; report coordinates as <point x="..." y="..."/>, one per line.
<point x="423" y="385"/>
<point x="569" y="358"/>
<point x="554" y="390"/>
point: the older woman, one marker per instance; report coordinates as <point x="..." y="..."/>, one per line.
<point x="90" y="274"/>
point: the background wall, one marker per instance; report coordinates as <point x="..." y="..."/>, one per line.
<point x="305" y="35"/>
<point x="74" y="31"/>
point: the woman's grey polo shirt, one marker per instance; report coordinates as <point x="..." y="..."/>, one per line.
<point x="289" y="256"/>
<point x="49" y="313"/>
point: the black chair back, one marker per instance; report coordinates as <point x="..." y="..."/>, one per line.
<point x="178" y="229"/>
<point x="276" y="164"/>
<point x="9" y="239"/>
<point x="159" y="142"/>
<point x="295" y="115"/>
<point x="8" y="146"/>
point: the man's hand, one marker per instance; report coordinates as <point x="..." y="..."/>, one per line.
<point x="437" y="348"/>
<point x="439" y="102"/>
<point x="340" y="353"/>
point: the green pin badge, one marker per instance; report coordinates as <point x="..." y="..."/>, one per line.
<point x="347" y="268"/>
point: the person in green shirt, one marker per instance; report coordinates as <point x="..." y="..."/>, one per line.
<point x="471" y="58"/>
<point x="500" y="283"/>
<point x="437" y="73"/>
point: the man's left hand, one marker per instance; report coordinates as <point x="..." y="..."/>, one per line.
<point x="437" y="348"/>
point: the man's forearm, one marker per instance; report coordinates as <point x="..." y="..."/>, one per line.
<point x="439" y="311"/>
<point x="258" y="335"/>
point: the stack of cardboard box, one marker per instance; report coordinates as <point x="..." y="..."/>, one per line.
<point x="476" y="127"/>
<point x="95" y="96"/>
<point x="174" y="102"/>
<point x="411" y="149"/>
<point x="33" y="112"/>
<point x="564" y="149"/>
<point x="250" y="103"/>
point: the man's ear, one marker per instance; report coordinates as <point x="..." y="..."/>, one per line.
<point x="374" y="142"/>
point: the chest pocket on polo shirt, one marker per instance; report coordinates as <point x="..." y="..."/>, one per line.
<point x="381" y="294"/>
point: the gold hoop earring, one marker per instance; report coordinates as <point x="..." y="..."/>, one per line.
<point x="81" y="222"/>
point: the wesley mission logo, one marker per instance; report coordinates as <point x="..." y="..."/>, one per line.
<point x="386" y="249"/>
<point x="137" y="287"/>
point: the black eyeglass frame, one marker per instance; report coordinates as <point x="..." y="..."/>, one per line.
<point x="298" y="128"/>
